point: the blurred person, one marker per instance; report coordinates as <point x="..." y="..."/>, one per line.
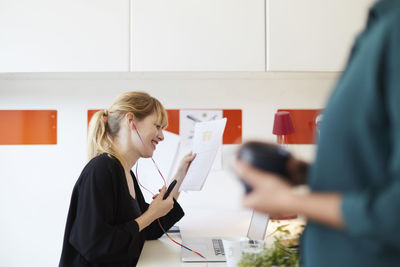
<point x="353" y="209"/>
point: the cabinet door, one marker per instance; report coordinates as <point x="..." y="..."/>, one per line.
<point x="198" y="35"/>
<point x="64" y="35"/>
<point x="312" y="35"/>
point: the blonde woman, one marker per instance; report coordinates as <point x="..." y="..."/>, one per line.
<point x="108" y="219"/>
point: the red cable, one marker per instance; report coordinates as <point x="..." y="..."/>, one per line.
<point x="162" y="228"/>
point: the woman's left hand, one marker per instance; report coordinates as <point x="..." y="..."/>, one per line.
<point x="181" y="173"/>
<point x="184" y="166"/>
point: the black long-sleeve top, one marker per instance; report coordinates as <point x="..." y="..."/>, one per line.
<point x="101" y="229"/>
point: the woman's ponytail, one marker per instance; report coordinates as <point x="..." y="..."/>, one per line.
<point x="97" y="140"/>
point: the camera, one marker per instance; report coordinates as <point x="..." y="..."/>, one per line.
<point x="264" y="156"/>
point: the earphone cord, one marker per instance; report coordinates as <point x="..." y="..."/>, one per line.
<point x="162" y="228"/>
<point x="155" y="164"/>
<point x="158" y="169"/>
<point x="165" y="184"/>
<point x="180" y="243"/>
<point x="137" y="163"/>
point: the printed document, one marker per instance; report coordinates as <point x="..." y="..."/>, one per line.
<point x="206" y="142"/>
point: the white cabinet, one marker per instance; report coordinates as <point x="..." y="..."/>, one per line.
<point x="312" y="35"/>
<point x="64" y="35"/>
<point x="178" y="35"/>
<point x="198" y="35"/>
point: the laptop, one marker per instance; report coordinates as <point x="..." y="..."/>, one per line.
<point x="212" y="247"/>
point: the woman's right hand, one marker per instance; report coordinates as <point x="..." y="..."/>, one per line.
<point x="160" y="207"/>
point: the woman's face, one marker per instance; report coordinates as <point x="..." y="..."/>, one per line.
<point x="151" y="134"/>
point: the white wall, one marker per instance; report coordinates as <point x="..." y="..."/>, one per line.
<point x="36" y="181"/>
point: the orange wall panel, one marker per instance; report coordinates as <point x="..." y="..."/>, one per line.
<point x="28" y="127"/>
<point x="90" y="114"/>
<point x="304" y="126"/>
<point x="233" y="128"/>
<point x="173" y="121"/>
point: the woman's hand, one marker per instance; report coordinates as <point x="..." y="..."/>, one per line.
<point x="181" y="173"/>
<point x="160" y="207"/>
<point x="184" y="166"/>
<point x="271" y="193"/>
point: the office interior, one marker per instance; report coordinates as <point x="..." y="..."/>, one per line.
<point x="75" y="56"/>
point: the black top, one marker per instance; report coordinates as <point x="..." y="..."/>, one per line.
<point x="101" y="229"/>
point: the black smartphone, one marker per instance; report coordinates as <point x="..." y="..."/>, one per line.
<point x="169" y="190"/>
<point x="266" y="157"/>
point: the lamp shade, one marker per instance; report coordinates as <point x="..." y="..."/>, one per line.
<point x="283" y="124"/>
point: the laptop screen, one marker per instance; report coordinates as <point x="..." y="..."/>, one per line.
<point x="258" y="226"/>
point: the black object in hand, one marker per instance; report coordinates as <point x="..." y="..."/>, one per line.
<point x="266" y="157"/>
<point x="169" y="190"/>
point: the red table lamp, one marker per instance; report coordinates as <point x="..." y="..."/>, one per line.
<point x="283" y="126"/>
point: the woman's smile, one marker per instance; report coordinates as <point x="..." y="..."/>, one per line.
<point x="155" y="143"/>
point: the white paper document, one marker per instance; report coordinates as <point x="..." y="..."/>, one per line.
<point x="187" y="120"/>
<point x="206" y="142"/>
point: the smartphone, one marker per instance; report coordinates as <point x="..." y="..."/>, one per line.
<point x="169" y="190"/>
<point x="264" y="156"/>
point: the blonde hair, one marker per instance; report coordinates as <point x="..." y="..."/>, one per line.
<point x="105" y="124"/>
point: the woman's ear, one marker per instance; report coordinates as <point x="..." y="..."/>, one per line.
<point x="129" y="118"/>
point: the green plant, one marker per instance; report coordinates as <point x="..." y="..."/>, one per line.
<point x="282" y="254"/>
<point x="279" y="255"/>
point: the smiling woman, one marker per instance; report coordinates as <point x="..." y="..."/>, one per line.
<point x="108" y="219"/>
<point x="105" y="125"/>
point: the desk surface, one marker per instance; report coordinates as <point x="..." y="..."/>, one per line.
<point x="202" y="223"/>
<point x="164" y="253"/>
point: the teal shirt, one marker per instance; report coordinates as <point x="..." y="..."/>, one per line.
<point x="358" y="152"/>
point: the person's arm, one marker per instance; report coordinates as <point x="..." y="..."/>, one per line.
<point x="151" y="225"/>
<point x="181" y="173"/>
<point x="154" y="231"/>
<point x="158" y="208"/>
<point x="324" y="208"/>
<point x="272" y="194"/>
